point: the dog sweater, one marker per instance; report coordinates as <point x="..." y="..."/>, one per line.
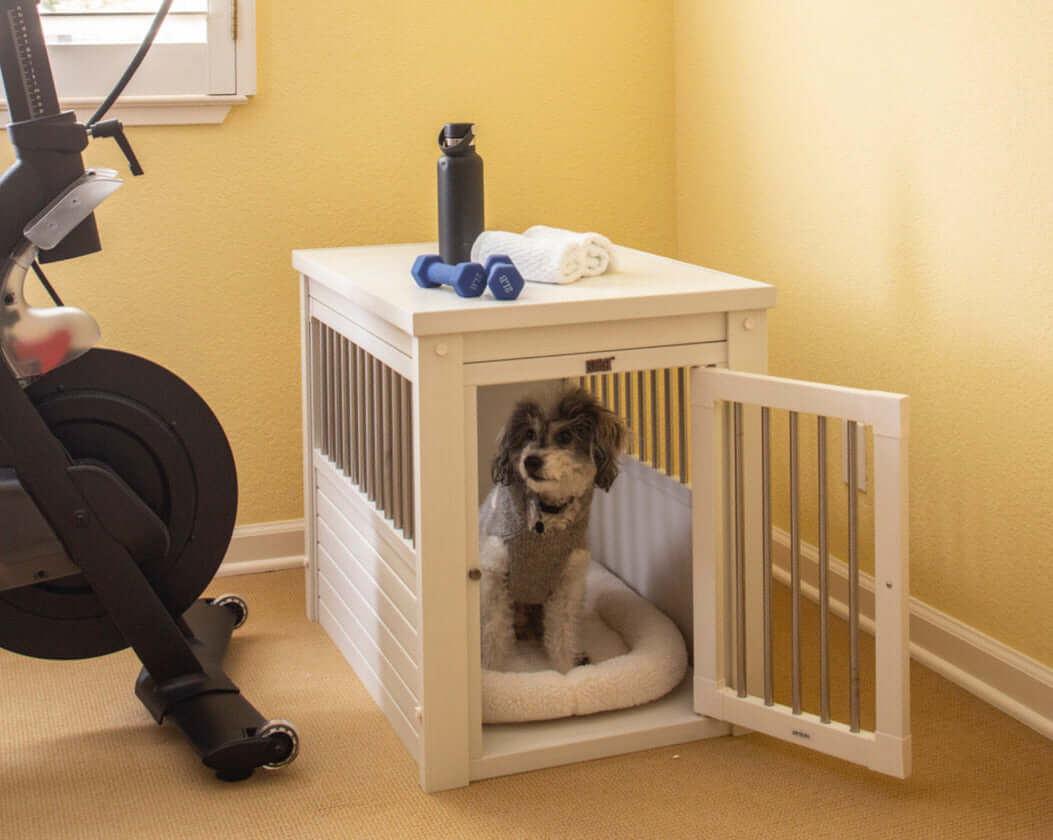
<point x="535" y="560"/>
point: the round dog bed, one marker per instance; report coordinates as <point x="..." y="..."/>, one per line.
<point x="636" y="655"/>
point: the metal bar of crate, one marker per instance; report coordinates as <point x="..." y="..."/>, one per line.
<point x="769" y="691"/>
<point x="853" y="579"/>
<point x="385" y="440"/>
<point x="396" y="449"/>
<point x="376" y="438"/>
<point x="740" y="555"/>
<point x="409" y="516"/>
<point x="824" y="572"/>
<point x="795" y="561"/>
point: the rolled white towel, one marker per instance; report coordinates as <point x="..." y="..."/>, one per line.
<point x="599" y="255"/>
<point x="538" y="261"/>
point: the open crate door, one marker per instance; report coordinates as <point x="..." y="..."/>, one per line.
<point x="732" y="587"/>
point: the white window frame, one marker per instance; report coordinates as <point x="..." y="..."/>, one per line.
<point x="223" y="74"/>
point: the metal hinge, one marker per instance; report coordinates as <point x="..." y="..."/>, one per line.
<point x="234" y="20"/>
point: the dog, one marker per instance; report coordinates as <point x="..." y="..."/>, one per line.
<point x="533" y="525"/>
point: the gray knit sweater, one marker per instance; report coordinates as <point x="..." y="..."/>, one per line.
<point x="535" y="560"/>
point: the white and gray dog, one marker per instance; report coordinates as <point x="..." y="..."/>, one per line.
<point x="533" y="525"/>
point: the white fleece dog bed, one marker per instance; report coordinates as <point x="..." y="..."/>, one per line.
<point x="637" y="655"/>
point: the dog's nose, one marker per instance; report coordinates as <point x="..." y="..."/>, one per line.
<point x="532" y="464"/>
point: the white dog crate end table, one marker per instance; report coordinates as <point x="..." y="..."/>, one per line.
<point x="400" y="388"/>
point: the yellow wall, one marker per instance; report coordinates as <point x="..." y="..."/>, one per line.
<point x="889" y="167"/>
<point x="574" y="104"/>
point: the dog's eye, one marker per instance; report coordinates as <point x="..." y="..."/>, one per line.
<point x="530" y="434"/>
<point x="564" y="437"/>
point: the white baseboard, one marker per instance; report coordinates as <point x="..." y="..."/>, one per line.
<point x="267" y="547"/>
<point x="996" y="673"/>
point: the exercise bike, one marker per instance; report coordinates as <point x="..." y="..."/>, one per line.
<point x="118" y="488"/>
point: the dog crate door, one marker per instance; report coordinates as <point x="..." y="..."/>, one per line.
<point x="806" y="695"/>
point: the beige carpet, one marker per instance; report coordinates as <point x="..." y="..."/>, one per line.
<point x="80" y="758"/>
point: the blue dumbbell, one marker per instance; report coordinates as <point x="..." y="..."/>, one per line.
<point x="503" y="277"/>
<point x="467" y="278"/>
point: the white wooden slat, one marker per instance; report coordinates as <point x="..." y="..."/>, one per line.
<point x="361" y="575"/>
<point x="492" y="345"/>
<point x="556" y="367"/>
<point x="346" y="549"/>
<point x="309" y="372"/>
<point x="474" y="643"/>
<point x="442" y="541"/>
<point x="367" y="534"/>
<point x="354" y="647"/>
<point x="332" y="575"/>
<point x="891" y="603"/>
<point x="708" y="578"/>
<point x="886" y="412"/>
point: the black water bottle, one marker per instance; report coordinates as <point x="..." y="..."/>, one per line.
<point x="460" y="192"/>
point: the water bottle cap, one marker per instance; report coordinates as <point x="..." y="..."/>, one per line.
<point x="456" y="138"/>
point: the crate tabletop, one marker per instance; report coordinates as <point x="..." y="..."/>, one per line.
<point x="377" y="278"/>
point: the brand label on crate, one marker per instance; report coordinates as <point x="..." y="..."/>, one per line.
<point x="601" y="365"/>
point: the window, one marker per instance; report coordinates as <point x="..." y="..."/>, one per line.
<point x="202" y="61"/>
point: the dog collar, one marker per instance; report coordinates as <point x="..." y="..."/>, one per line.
<point x="553" y="508"/>
<point x="539" y="526"/>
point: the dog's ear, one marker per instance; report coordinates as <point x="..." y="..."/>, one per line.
<point x="501" y="468"/>
<point x="610" y="441"/>
<point x="609" y="434"/>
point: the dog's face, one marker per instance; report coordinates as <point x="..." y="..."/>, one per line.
<point x="561" y="451"/>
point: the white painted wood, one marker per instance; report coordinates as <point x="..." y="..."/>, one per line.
<point x="779" y="721"/>
<point x="384" y="638"/>
<point x="473" y="640"/>
<point x="176" y="109"/>
<point x="365" y="322"/>
<point x="361" y="528"/>
<point x="551" y="367"/>
<point x="517" y="748"/>
<point x="245" y="67"/>
<point x="308" y="371"/>
<point x="442" y="548"/>
<point x="342" y="632"/>
<point x="563" y="339"/>
<point x="885" y="412"/>
<point x="377" y="279"/>
<point x="222" y="48"/>
<point x="891" y="608"/>
<point x="376" y="654"/>
<point x="653" y="313"/>
<point x="748" y="353"/>
<point x="346" y="572"/>
<point x="709" y="550"/>
<point x="888" y="748"/>
<point x="264" y="547"/>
